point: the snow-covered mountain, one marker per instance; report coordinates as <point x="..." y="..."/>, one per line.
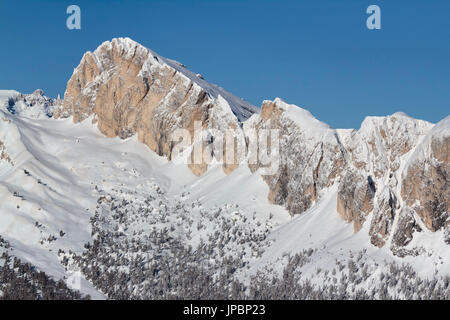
<point x="89" y="184"/>
<point x="132" y="90"/>
<point x="35" y="105"/>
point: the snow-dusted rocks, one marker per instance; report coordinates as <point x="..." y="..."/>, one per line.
<point x="310" y="155"/>
<point x="404" y="232"/>
<point x="355" y="198"/>
<point x="385" y="141"/>
<point x="34" y="105"/>
<point x="131" y="89"/>
<point x="375" y="158"/>
<point x="388" y="160"/>
<point x="426" y="178"/>
<point x="4" y="154"/>
<point x="383" y="216"/>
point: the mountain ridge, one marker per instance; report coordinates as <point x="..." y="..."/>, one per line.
<point x="384" y="185"/>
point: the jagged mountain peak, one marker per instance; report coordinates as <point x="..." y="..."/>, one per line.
<point x="397" y="117"/>
<point x="302" y="118"/>
<point x="148" y="59"/>
<point x="38" y="92"/>
<point x="401" y="114"/>
<point x="397" y="127"/>
<point x="375" y="168"/>
<point x="129" y="89"/>
<point x="442" y="128"/>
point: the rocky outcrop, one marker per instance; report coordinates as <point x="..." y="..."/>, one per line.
<point x="129" y="89"/>
<point x="426" y="179"/>
<point x="355" y="198"/>
<point x="383" y="218"/>
<point x="310" y="155"/>
<point x="380" y="143"/>
<point x="378" y="150"/>
<point x="367" y="164"/>
<point x="406" y="227"/>
<point x="4" y="154"/>
<point x="34" y="105"/>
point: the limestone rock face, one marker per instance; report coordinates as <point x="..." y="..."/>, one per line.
<point x="383" y="219"/>
<point x="310" y="155"/>
<point x="129" y="89"/>
<point x="355" y="198"/>
<point x="368" y="166"/>
<point x="426" y="179"/>
<point x="377" y="152"/>
<point x="381" y="142"/>
<point x="406" y="227"/>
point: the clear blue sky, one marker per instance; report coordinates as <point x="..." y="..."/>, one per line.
<point x="317" y="54"/>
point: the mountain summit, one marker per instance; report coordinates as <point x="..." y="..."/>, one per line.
<point x="130" y="89"/>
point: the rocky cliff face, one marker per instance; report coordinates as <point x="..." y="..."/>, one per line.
<point x="376" y="154"/>
<point x="392" y="174"/>
<point x="355" y="198"/>
<point x="379" y="175"/>
<point x="310" y="157"/>
<point x="426" y="178"/>
<point x="130" y="89"/>
<point x="4" y="156"/>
